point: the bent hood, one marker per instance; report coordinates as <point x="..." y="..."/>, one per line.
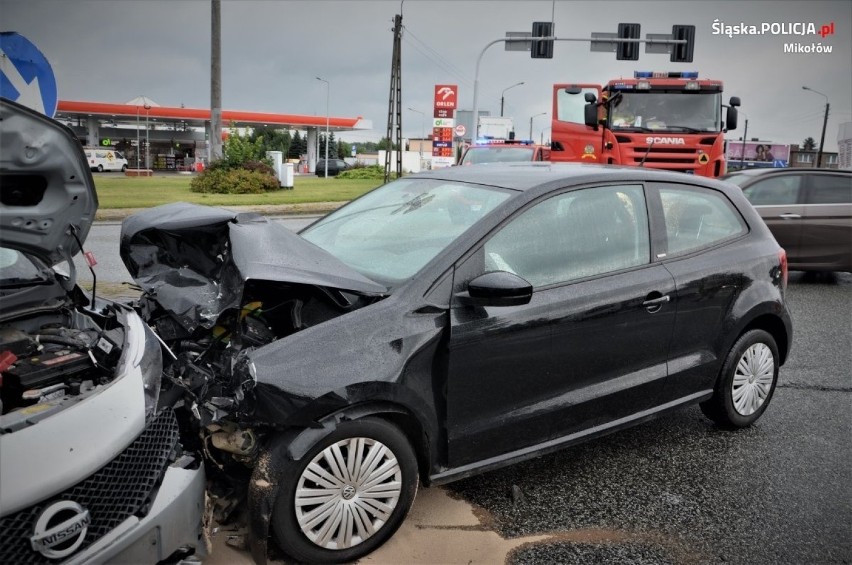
<point x="195" y="260"/>
<point x="46" y="189"/>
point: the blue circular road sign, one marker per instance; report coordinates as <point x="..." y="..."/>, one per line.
<point x="26" y="76"/>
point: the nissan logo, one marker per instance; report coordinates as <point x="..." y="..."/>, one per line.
<point x="60" y="529"/>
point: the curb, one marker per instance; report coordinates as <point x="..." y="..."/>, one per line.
<point x="307" y="208"/>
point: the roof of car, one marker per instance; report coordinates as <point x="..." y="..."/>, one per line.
<point x="781" y="170"/>
<point x="526" y="175"/>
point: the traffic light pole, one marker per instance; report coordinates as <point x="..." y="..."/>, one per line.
<point x="531" y="39"/>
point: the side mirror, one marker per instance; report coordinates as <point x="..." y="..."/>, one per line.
<point x="499" y="288"/>
<point x="735" y="101"/>
<point x="590" y="97"/>
<point x="590" y="115"/>
<point x="731" y="118"/>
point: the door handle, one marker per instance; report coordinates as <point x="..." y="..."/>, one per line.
<point x="790" y="216"/>
<point x="657" y="301"/>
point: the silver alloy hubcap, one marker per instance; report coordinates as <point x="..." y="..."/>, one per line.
<point x="753" y="379"/>
<point x="347" y="492"/>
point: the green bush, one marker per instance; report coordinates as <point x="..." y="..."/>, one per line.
<point x="236" y="181"/>
<point x="368" y="172"/>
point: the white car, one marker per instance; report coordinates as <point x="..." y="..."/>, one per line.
<point x="91" y="465"/>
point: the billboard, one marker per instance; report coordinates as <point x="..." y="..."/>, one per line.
<point x="758" y="151"/>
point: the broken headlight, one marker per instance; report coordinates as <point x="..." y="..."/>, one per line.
<point x="151" y="366"/>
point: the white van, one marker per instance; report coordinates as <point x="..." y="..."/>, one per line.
<point x="105" y="159"/>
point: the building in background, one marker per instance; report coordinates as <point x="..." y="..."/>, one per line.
<point x="844" y="146"/>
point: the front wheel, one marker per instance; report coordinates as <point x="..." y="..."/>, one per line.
<point x="747" y="381"/>
<point x="347" y="495"/>
<point x="100" y="168"/>
<point x="123" y="168"/>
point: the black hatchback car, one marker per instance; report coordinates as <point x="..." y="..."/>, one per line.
<point x="450" y="323"/>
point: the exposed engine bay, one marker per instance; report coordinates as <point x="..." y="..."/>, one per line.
<point x="50" y="359"/>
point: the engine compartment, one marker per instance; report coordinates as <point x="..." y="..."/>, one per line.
<point x="48" y="359"/>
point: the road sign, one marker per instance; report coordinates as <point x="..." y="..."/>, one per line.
<point x="460" y="130"/>
<point x="25" y="74"/>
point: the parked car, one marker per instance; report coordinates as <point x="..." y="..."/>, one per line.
<point x="450" y="323"/>
<point x="335" y="167"/>
<point x="101" y="159"/>
<point x="809" y="211"/>
<point x="92" y="468"/>
<point x="501" y="151"/>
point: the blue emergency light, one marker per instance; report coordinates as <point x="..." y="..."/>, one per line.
<point x="659" y="74"/>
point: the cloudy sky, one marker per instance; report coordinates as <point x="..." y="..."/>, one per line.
<point x="115" y="50"/>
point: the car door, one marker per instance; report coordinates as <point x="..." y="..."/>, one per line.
<point x="590" y="346"/>
<point x="572" y="139"/>
<point x="826" y="239"/>
<point x="698" y="237"/>
<point x="778" y="200"/>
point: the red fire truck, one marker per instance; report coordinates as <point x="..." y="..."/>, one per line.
<point x="669" y="121"/>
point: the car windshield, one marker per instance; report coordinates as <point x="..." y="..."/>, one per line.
<point x="16" y="269"/>
<point x="389" y="234"/>
<point x="493" y="154"/>
<point x="687" y="112"/>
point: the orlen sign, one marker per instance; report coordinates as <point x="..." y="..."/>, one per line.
<point x="446" y="95"/>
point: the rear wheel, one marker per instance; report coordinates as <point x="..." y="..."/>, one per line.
<point x="747" y="381"/>
<point x="100" y="168"/>
<point x="347" y="495"/>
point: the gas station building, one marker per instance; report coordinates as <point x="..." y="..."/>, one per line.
<point x="177" y="136"/>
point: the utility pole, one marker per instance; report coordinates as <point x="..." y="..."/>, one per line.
<point x="216" y="81"/>
<point x="824" y="123"/>
<point x="745" y="136"/>
<point x="394" y="133"/>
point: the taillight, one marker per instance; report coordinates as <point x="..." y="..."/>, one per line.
<point x="782" y="257"/>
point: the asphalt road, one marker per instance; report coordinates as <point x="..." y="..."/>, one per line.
<point x="679" y="489"/>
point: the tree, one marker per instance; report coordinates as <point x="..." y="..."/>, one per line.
<point x="332" y="148"/>
<point x="809" y="144"/>
<point x="298" y="146"/>
<point x="383" y="144"/>
<point x="272" y="139"/>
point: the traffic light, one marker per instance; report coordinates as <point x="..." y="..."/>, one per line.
<point x="682" y="53"/>
<point x="628" y="51"/>
<point x="542" y="49"/>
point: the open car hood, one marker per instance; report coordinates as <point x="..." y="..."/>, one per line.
<point x="46" y="189"/>
<point x="195" y="260"/>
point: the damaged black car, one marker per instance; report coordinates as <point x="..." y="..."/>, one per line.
<point x="447" y="324"/>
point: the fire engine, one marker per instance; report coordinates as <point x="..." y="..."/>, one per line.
<point x="660" y="120"/>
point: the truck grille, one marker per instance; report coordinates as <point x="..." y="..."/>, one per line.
<point x="117" y="491"/>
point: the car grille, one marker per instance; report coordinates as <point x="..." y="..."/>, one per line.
<point x="120" y="489"/>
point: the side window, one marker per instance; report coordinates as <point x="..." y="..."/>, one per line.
<point x="697" y="218"/>
<point x="774" y="191"/>
<point x="574" y="235"/>
<point x="571" y="107"/>
<point x="830" y="189"/>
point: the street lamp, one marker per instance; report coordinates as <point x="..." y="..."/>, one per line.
<point x="422" y="129"/>
<point x="147" y="144"/>
<point x="138" y="146"/>
<point x="531" y="120"/>
<point x="327" y="96"/>
<point x="824" y="123"/>
<point x="504" y="92"/>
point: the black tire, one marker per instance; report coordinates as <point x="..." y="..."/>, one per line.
<point x="100" y="168"/>
<point x="747" y="381"/>
<point x="363" y="436"/>
<point x="123" y="168"/>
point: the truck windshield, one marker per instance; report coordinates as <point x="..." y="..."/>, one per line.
<point x="680" y="111"/>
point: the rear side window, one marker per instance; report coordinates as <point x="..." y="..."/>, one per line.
<point x="830" y="189"/>
<point x="698" y="218"/>
<point x="775" y="191"/>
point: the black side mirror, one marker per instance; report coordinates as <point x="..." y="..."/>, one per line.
<point x="590" y="115"/>
<point x="499" y="288"/>
<point x="735" y="101"/>
<point x="731" y="118"/>
<point x="590" y="97"/>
